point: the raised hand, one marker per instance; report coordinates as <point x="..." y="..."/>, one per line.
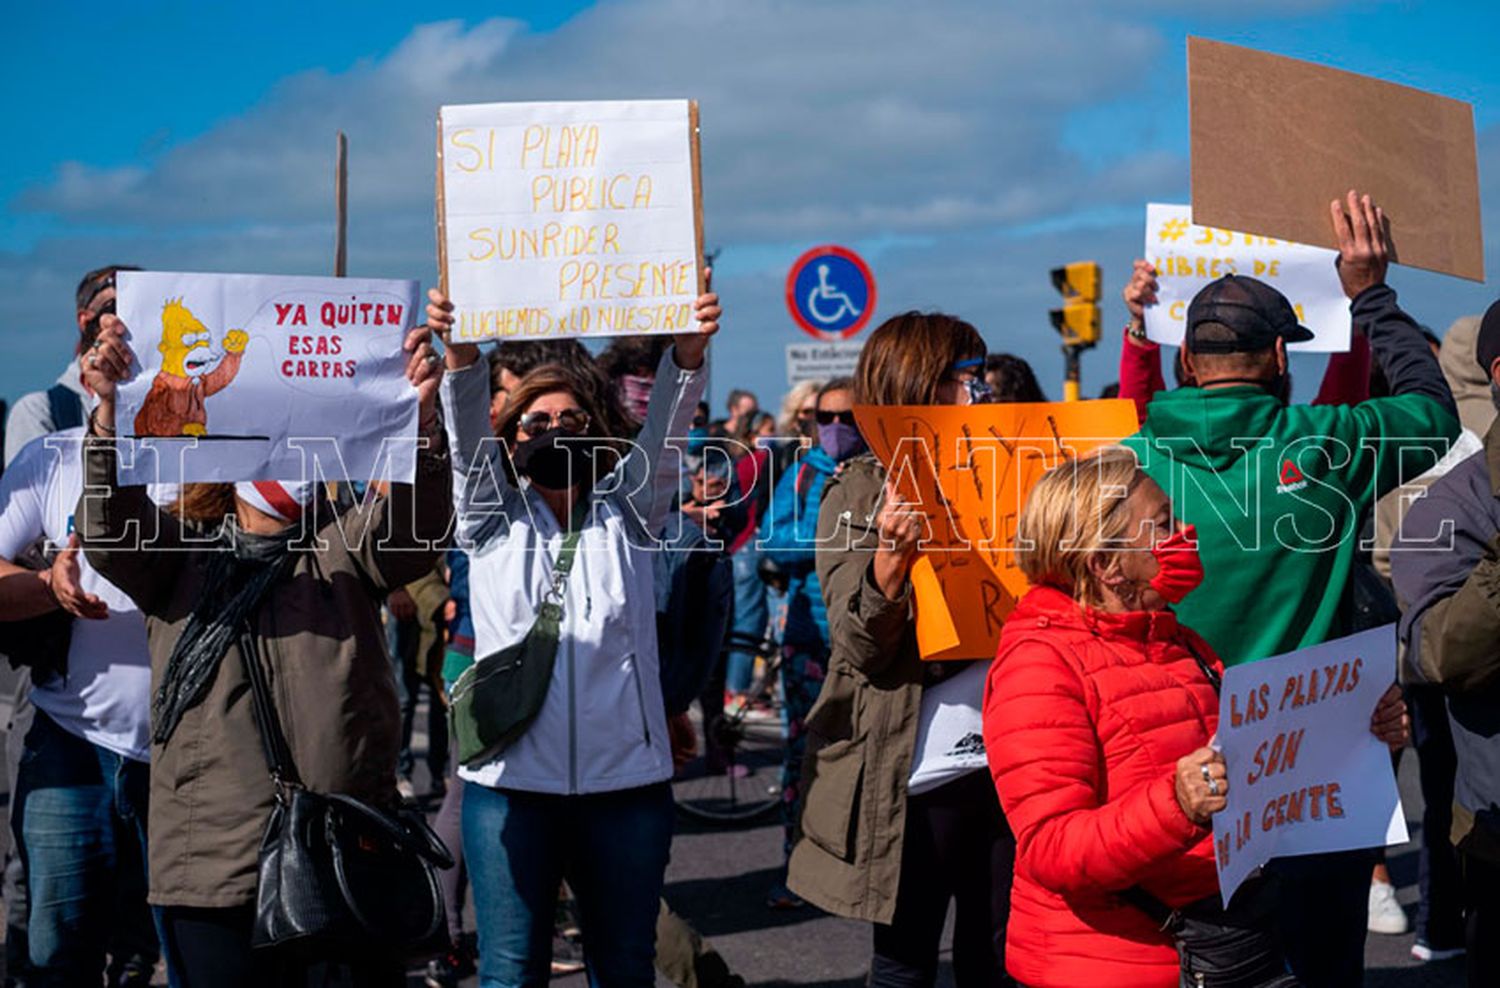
<point x="1364" y="243"/>
<point x="440" y="319"/>
<point x="690" y="347"/>
<point x="1139" y="293"/>
<point x="424" y="369"/>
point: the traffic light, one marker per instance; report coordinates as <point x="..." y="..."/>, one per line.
<point x="1078" y="319"/>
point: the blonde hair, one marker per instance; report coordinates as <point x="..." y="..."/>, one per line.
<point x="1074" y="513"/>
<point x="786" y="422"/>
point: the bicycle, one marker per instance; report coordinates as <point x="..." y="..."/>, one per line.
<point x="735" y="776"/>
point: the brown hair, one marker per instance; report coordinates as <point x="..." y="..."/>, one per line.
<point x="1074" y="513"/>
<point x="204" y="503"/>
<point x="550" y="378"/>
<point x="910" y="355"/>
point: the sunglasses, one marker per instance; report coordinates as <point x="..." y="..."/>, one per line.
<point x="572" y="420"/>
<point x="806" y="413"/>
<point x="828" y="418"/>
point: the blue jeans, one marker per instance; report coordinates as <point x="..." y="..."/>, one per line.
<point x="750" y="615"/>
<point x="80" y="821"/>
<point x="611" y="847"/>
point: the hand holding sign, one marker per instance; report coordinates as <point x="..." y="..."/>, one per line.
<point x="1390" y="722"/>
<point x="106" y="364"/>
<point x="900" y="528"/>
<point x="1202" y="785"/>
<point x="1364" y="243"/>
<point x="689" y="347"/>
<point x="1139" y="293"/>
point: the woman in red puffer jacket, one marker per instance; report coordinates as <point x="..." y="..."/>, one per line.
<point x="1097" y="717"/>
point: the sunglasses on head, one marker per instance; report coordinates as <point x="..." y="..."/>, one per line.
<point x="828" y="418"/>
<point x="573" y="420"/>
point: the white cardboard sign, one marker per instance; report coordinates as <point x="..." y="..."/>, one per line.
<point x="820" y="361"/>
<point x="1305" y="773"/>
<point x="1187" y="257"/>
<point x="569" y="219"/>
<point x="252" y="377"/>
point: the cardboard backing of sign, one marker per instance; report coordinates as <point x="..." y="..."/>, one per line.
<point x="1274" y="140"/>
<point x="969" y="469"/>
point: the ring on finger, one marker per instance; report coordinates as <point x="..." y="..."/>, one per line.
<point x="1213" y="786"/>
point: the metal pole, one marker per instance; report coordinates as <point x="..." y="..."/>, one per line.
<point x="341" y="207"/>
<point x="1070" y="377"/>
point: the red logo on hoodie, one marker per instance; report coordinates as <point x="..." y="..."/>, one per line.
<point x="1290" y="474"/>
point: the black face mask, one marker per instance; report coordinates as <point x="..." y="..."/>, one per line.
<point x="555" y="466"/>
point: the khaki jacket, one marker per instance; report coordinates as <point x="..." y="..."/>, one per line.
<point x="324" y="654"/>
<point x="862" y="731"/>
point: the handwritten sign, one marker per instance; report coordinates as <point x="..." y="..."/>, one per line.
<point x="570" y="219"/>
<point x="250" y="377"/>
<point x="1305" y="773"/>
<point x="820" y="361"/>
<point x="1187" y="257"/>
<point x="1275" y="139"/>
<point x="969" y="469"/>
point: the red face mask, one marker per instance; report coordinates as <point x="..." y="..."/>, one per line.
<point x="1179" y="570"/>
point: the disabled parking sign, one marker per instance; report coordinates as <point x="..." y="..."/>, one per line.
<point x="830" y="292"/>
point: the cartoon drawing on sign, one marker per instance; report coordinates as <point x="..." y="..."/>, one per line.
<point x="823" y="291"/>
<point x="192" y="368"/>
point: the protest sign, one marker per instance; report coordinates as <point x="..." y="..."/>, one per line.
<point x="1305" y="773"/>
<point x="570" y="219"/>
<point x="968" y="468"/>
<point x="1187" y="257"/>
<point x="1274" y="140"/>
<point x="243" y="377"/>
<point x="820" y="361"/>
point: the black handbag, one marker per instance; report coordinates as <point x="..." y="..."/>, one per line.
<point x="335" y="873"/>
<point x="497" y="698"/>
<point x="1223" y="948"/>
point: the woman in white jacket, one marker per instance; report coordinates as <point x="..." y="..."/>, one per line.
<point x="585" y="793"/>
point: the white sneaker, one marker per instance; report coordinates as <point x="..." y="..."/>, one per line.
<point x="1386" y="914"/>
<point x="1424" y="952"/>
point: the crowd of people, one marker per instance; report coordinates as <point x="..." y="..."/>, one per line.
<point x="586" y="516"/>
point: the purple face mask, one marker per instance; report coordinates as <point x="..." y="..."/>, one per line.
<point x="840" y="441"/>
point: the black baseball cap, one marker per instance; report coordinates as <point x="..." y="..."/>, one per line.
<point x="1256" y="313"/>
<point x="1487" y="343"/>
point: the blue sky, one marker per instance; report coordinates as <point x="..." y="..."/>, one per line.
<point x="963" y="147"/>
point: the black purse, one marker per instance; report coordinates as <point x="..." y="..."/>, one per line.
<point x="1223" y="948"/>
<point x="335" y="873"/>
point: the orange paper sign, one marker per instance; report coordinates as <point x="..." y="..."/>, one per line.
<point x="969" y="469"/>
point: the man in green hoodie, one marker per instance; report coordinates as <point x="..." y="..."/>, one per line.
<point x="1278" y="493"/>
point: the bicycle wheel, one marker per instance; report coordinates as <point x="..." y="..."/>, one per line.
<point x="736" y="776"/>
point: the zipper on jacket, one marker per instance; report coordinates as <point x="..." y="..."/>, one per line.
<point x="640" y="698"/>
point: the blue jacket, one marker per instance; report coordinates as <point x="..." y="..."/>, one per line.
<point x="788" y="534"/>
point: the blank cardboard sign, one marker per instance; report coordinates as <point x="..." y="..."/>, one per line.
<point x="1275" y="139"/>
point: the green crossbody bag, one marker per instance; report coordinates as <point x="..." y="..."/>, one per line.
<point x="496" y="699"/>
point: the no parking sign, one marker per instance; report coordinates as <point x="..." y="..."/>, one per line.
<point x="830" y="292"/>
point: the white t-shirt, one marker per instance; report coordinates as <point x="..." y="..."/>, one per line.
<point x="105" y="697"/>
<point x="950" y="730"/>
